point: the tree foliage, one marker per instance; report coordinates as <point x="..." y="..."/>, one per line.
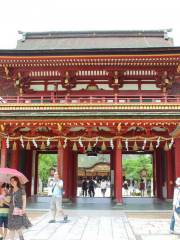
<point x="134" y="165"/>
<point x="46" y="161"/>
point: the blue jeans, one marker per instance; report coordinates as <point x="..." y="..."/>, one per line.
<point x="3" y="221"/>
<point x="172" y="224"/>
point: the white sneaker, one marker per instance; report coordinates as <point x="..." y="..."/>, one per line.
<point x="171" y="231"/>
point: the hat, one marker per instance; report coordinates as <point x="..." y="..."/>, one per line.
<point x="178" y="181"/>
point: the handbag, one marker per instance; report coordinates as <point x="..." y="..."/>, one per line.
<point x="17" y="211"/>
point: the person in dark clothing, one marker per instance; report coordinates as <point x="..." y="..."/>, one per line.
<point x="84" y="188"/>
<point x="142" y="187"/>
<point x="91" y="188"/>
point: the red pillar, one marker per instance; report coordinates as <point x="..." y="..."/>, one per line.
<point x="63" y="159"/>
<point x="159" y="182"/>
<point x="36" y="174"/>
<point x="70" y="175"/>
<point x="111" y="173"/>
<point x="28" y="171"/>
<point x="15" y="158"/>
<point x="169" y="173"/>
<point x="3" y="153"/>
<point x="74" y="175"/>
<point x="65" y="171"/>
<point x="177" y="157"/>
<point x="60" y="161"/>
<point x="118" y="174"/>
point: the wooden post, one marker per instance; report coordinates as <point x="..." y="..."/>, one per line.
<point x="177" y="157"/>
<point x="75" y="159"/>
<point x="112" y="190"/>
<point x="36" y="174"/>
<point x="28" y="171"/>
<point x="60" y="161"/>
<point x="70" y="174"/>
<point x="118" y="174"/>
<point x="65" y="171"/>
<point x="169" y="173"/>
<point x="159" y="182"/>
<point x="15" y="158"/>
<point x="3" y="153"/>
<point x="74" y="176"/>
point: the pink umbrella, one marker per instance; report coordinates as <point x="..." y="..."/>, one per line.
<point x="7" y="173"/>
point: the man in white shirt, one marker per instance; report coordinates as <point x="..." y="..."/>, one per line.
<point x="51" y="181"/>
<point x="56" y="199"/>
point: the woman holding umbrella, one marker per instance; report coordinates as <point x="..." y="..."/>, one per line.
<point x="17" y="219"/>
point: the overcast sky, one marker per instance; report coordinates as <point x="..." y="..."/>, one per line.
<point x="72" y="15"/>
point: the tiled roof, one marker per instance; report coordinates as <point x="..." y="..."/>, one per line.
<point x="94" y="40"/>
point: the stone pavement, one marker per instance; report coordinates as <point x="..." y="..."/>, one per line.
<point x="103" y="225"/>
<point x="130" y="204"/>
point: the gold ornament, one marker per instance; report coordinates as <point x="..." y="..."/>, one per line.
<point x="2" y="128"/>
<point x="43" y="146"/>
<point x="166" y="148"/>
<point x="14" y="146"/>
<point x="28" y="146"/>
<point x="103" y="147"/>
<point x="119" y="127"/>
<point x="178" y="69"/>
<point x="59" y="127"/>
<point x="151" y="148"/>
<point x="135" y="146"/>
<point x="75" y="148"/>
<point x="119" y="146"/>
<point x="89" y="148"/>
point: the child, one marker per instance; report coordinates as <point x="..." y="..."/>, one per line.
<point x="4" y="210"/>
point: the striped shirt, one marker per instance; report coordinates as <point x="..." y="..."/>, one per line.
<point x="4" y="208"/>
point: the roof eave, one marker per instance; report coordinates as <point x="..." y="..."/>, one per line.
<point x="97" y="51"/>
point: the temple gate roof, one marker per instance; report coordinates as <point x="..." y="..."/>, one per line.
<point x="94" y="40"/>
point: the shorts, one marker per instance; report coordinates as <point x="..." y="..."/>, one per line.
<point x="56" y="203"/>
<point x="4" y="221"/>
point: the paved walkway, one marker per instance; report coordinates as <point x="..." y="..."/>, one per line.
<point x="101" y="219"/>
<point x="130" y="204"/>
<point x="103" y="225"/>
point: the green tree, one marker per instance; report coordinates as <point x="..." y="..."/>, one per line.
<point x="133" y="166"/>
<point x="46" y="161"/>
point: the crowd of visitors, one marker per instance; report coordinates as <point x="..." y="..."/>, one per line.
<point x="13" y="200"/>
<point x="89" y="186"/>
<point x="139" y="187"/>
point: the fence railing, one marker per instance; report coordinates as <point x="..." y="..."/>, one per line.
<point x="89" y="99"/>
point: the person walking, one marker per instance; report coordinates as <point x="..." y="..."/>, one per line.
<point x="103" y="186"/>
<point x="4" y="210"/>
<point x="50" y="181"/>
<point x="142" y="187"/>
<point x="84" y="187"/>
<point x="125" y="186"/>
<point x="91" y="188"/>
<point x="56" y="199"/>
<point x="176" y="205"/>
<point x="17" y="218"/>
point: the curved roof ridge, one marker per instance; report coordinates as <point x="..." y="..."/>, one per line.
<point x="94" y="34"/>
